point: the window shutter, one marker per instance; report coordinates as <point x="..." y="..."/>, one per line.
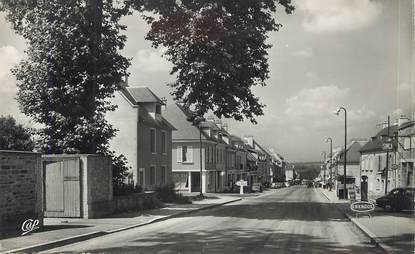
<point x="377" y="163"/>
<point x="179" y="154"/>
<point x="190" y="153"/>
<point x="407" y="143"/>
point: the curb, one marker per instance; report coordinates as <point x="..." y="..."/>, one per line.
<point x="373" y="238"/>
<point x="87" y="236"/>
<point x="56" y="243"/>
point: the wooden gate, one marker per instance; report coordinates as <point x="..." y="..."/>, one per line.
<point x="62" y="188"/>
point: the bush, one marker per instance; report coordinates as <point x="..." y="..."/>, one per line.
<point x="14" y="136"/>
<point x="180" y="199"/>
<point x="122" y="189"/>
<point x="166" y="193"/>
<point x="151" y="203"/>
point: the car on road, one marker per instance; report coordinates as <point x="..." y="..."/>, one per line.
<point x="257" y="187"/>
<point x="397" y="199"/>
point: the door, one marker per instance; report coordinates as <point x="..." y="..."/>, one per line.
<point x="62" y="188"/>
<point x="53" y="182"/>
<point x="219" y="180"/>
<point x="195" y="187"/>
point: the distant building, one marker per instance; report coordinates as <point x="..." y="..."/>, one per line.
<point x="290" y="173"/>
<point x="406" y="154"/>
<point x="186" y="153"/>
<point x="237" y="167"/>
<point x="399" y="167"/>
<point x="373" y="162"/>
<point x="144" y="136"/>
<point x="260" y="166"/>
<point x="278" y="166"/>
<point x="352" y="161"/>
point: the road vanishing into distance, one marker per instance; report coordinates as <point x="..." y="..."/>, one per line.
<point x="289" y="220"/>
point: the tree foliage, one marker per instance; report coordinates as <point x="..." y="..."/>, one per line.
<point x="72" y="67"/>
<point x="14" y="136"/>
<point x="218" y="49"/>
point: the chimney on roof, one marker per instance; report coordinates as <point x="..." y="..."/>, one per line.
<point x="124" y="83"/>
<point x="164" y="105"/>
<point x="249" y="140"/>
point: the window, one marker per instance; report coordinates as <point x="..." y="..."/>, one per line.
<point x="379" y="163"/>
<point x="207" y="154"/>
<point x="238" y="162"/>
<point x="395" y="191"/>
<point x="153" y="140"/>
<point x="163" y="142"/>
<point x="163" y="174"/>
<point x="185" y="154"/>
<point x="152" y="175"/>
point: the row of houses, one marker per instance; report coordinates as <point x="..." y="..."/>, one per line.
<point x="162" y="146"/>
<point x="367" y="158"/>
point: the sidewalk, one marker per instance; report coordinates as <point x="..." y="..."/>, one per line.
<point x="61" y="231"/>
<point x="393" y="231"/>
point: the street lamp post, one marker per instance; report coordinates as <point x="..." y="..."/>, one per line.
<point x="331" y="160"/>
<point x="345" y="150"/>
<point x="200" y="159"/>
<point x="325" y="166"/>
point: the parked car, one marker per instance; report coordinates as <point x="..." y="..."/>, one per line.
<point x="310" y="185"/>
<point x="257" y="187"/>
<point x="398" y="199"/>
<point x="278" y="185"/>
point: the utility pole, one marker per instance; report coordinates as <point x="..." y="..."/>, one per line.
<point x="387" y="159"/>
<point x="325" y="166"/>
<point x="331" y="160"/>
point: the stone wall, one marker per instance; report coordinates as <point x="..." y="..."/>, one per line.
<point x="21" y="189"/>
<point x="136" y="201"/>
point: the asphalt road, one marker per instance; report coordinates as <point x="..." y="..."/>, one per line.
<point x="290" y="220"/>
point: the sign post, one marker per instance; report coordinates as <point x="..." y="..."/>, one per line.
<point x="387" y="146"/>
<point x="241" y="183"/>
<point x="362" y="207"/>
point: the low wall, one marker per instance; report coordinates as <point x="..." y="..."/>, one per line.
<point x="135" y="201"/>
<point x="120" y="204"/>
<point x="21" y="190"/>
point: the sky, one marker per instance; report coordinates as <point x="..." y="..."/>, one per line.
<point x="329" y="53"/>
